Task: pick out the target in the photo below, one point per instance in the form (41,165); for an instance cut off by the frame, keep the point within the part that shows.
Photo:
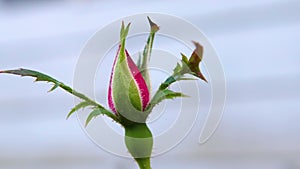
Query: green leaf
(93,114)
(169,94)
(165,94)
(177,69)
(43,77)
(79,106)
(184,59)
(185,78)
(38,75)
(101,111)
(191,65)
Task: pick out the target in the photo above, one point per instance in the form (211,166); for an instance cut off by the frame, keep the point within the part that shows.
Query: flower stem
(144,163)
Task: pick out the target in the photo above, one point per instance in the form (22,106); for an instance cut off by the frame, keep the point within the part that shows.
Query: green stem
(144,163)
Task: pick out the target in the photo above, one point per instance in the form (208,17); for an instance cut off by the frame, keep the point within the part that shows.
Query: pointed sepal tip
(154,26)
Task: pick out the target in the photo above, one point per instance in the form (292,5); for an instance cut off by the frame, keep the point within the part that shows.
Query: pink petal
(142,86)
(111,103)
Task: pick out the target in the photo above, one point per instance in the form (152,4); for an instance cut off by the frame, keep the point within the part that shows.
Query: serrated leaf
(26,72)
(191,65)
(182,68)
(169,94)
(78,107)
(185,78)
(177,69)
(184,59)
(165,94)
(43,77)
(38,75)
(93,114)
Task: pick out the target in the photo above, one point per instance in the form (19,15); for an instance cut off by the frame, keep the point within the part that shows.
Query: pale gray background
(257,42)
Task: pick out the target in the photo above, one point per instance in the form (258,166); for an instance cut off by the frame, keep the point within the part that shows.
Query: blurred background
(258,45)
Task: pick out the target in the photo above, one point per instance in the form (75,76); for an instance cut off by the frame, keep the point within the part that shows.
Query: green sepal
(99,111)
(93,114)
(79,106)
(165,94)
(147,53)
(154,27)
(169,94)
(123,34)
(139,61)
(129,104)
